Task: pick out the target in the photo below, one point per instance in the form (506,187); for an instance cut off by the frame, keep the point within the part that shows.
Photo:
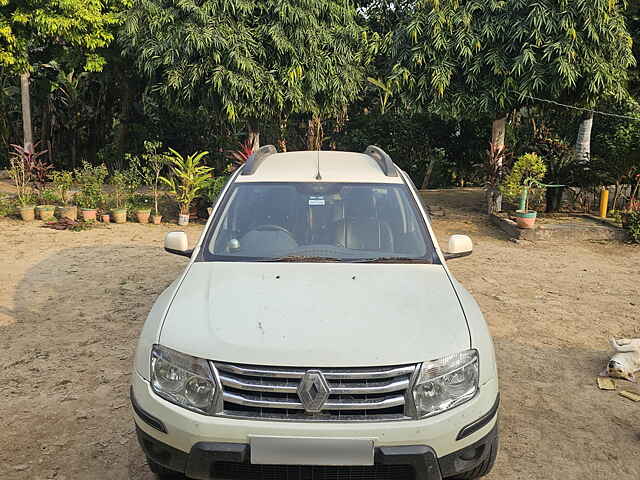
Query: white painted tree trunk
(253,135)
(26,111)
(494,197)
(583,142)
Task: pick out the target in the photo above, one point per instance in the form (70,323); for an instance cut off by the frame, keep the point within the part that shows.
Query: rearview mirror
(177,243)
(459,246)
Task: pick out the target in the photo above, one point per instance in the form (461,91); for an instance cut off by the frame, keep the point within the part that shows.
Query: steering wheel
(272,228)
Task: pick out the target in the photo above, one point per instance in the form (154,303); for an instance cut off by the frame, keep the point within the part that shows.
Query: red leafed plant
(239,157)
(36,166)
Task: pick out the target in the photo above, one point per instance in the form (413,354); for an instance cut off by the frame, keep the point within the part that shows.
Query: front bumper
(433,448)
(184,428)
(208,460)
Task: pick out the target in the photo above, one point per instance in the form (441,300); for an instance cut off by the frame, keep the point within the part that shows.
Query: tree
(74,27)
(464,57)
(253,61)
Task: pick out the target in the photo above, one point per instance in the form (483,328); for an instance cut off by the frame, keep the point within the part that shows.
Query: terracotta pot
(143,215)
(68,212)
(45,212)
(89,214)
(156,219)
(28,213)
(105,218)
(183,219)
(525,219)
(119,215)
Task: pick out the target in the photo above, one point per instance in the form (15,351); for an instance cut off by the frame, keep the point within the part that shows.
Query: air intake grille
(355,394)
(242,471)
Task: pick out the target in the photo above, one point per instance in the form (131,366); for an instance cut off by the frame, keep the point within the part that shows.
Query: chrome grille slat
(284,387)
(262,402)
(355,394)
(329,373)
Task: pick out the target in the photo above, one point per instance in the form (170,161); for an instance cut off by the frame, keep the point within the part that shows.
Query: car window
(323,221)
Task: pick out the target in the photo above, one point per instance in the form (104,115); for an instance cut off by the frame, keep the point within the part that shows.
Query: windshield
(318,222)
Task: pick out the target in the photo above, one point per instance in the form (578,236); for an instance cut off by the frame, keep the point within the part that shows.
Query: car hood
(316,314)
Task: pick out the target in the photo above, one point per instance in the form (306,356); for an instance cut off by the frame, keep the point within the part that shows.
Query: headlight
(446,383)
(184,380)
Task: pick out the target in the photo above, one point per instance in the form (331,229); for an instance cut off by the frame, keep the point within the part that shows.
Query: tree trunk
(428,172)
(554,199)
(26,111)
(583,142)
(315,133)
(122,135)
(494,197)
(253,134)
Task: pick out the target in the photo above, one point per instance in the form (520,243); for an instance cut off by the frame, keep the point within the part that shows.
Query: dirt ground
(72,305)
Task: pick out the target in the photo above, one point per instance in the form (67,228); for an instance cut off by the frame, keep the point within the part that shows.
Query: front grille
(355,394)
(233,471)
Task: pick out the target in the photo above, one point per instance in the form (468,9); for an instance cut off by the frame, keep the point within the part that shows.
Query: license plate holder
(267,450)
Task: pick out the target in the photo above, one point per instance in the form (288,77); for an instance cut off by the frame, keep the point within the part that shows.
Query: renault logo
(313,391)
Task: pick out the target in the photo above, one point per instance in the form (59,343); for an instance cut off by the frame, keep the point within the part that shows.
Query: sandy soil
(72,304)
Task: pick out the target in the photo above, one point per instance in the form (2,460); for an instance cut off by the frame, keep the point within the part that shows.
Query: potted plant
(48,200)
(119,212)
(155,163)
(62,182)
(141,205)
(527,173)
(21,174)
(40,174)
(188,178)
(90,182)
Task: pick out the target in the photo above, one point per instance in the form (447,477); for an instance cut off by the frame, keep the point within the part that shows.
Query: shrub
(213,189)
(527,170)
(633,225)
(139,201)
(7,205)
(49,196)
(90,181)
(62,182)
(188,178)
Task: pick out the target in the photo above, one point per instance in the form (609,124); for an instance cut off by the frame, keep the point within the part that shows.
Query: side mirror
(177,243)
(459,246)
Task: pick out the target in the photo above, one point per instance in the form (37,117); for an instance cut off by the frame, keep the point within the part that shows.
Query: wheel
(485,467)
(161,472)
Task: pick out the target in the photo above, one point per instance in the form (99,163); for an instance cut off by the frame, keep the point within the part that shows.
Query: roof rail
(384,160)
(256,159)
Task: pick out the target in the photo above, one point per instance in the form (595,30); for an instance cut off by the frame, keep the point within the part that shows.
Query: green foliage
(139,201)
(527,171)
(633,225)
(188,177)
(118,181)
(90,182)
(62,182)
(213,188)
(252,60)
(155,163)
(464,57)
(86,25)
(7,205)
(49,196)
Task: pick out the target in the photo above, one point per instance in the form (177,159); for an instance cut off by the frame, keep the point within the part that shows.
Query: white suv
(317,333)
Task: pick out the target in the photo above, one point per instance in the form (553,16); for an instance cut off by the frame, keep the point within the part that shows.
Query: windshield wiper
(300,258)
(392,260)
